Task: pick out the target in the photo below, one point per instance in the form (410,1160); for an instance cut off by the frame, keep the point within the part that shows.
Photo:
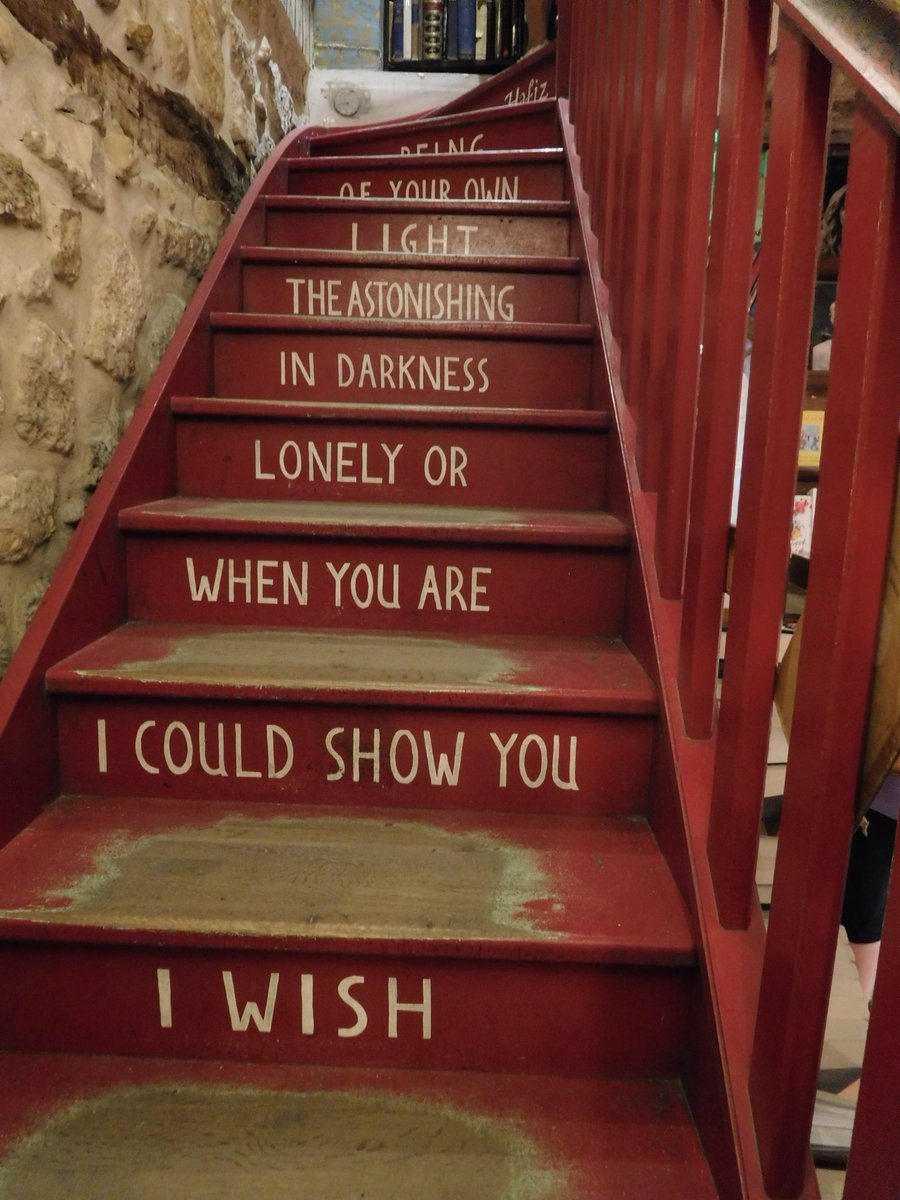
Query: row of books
(456,30)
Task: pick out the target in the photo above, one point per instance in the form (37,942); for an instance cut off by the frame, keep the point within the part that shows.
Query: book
(451,29)
(804,516)
(407,29)
(811,427)
(396,30)
(466,29)
(504,40)
(416,48)
(432,29)
(490,48)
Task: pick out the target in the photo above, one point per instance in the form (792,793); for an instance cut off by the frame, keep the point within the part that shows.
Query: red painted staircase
(342,876)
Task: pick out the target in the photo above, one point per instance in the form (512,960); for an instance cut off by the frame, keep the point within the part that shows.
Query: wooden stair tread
(100,1126)
(527,673)
(352,519)
(479,158)
(450,206)
(523,331)
(426,414)
(549,264)
(400,881)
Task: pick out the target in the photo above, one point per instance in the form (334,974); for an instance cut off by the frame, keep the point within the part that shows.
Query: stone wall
(129,131)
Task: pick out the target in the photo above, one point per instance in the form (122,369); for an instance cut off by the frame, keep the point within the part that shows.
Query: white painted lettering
(443,595)
(439,768)
(533,781)
(164,992)
(139,747)
(219,768)
(240,1021)
(257,460)
(102,759)
(239,771)
(275,734)
(413,751)
(362,1019)
(372,755)
(340,768)
(570,784)
(307,1014)
(423,1006)
(535,775)
(204,589)
(504,748)
(187,760)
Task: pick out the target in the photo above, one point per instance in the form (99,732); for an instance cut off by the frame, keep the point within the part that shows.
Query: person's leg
(865,894)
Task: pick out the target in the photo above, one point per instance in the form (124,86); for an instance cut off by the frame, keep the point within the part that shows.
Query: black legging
(868,876)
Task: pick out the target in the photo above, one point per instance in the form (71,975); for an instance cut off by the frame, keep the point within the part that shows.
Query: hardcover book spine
(466,29)
(407,29)
(417,29)
(396,30)
(451,46)
(490,49)
(506,25)
(432,29)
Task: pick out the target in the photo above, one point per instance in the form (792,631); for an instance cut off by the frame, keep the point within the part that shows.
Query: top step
(490,175)
(521,128)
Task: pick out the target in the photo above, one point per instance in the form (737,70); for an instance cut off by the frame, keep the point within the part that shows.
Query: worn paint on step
(327,876)
(209,1142)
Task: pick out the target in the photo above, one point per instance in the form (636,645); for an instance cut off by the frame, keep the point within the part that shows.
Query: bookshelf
(477,36)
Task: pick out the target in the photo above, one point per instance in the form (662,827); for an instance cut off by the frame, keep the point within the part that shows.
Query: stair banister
(858,475)
(854,509)
(724,338)
(768,481)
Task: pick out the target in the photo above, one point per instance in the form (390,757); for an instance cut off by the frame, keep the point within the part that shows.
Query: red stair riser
(412,179)
(329,582)
(533,129)
(501,467)
(357,290)
(352,753)
(405,369)
(414,231)
(564,1018)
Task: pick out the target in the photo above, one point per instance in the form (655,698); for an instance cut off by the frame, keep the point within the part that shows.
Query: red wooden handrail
(854,509)
(678,279)
(777,389)
(724,338)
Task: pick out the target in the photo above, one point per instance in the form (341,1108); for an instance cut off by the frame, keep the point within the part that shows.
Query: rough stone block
(45,404)
(27,501)
(117,308)
(20,198)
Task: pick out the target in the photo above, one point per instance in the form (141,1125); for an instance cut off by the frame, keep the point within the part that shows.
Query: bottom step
(99,1127)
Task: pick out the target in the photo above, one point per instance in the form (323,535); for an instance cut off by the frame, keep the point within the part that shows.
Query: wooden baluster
(577,17)
(655,383)
(724,332)
(605,194)
(619,272)
(640,248)
(692,223)
(777,387)
(589,143)
(564,64)
(854,507)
